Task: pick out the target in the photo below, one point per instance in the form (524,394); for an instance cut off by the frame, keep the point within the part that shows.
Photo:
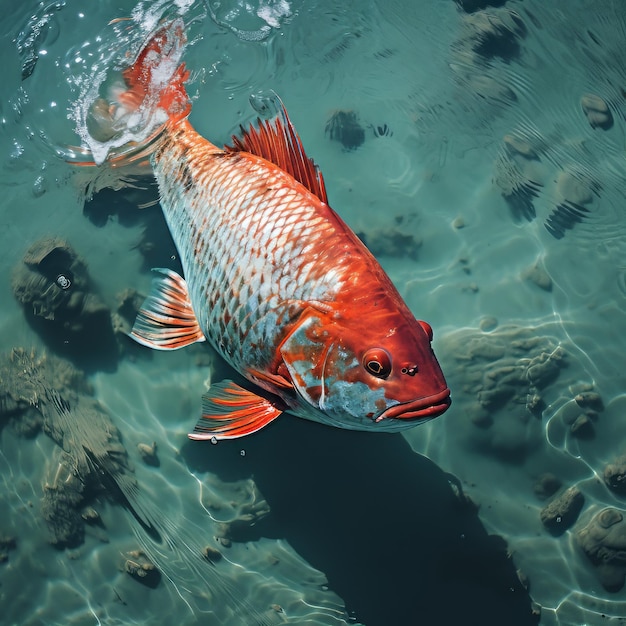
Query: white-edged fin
(166,320)
(230,411)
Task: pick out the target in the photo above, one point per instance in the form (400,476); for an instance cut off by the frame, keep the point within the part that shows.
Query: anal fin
(230,411)
(166,320)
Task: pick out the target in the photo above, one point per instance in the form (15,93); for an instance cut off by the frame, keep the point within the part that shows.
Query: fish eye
(377,362)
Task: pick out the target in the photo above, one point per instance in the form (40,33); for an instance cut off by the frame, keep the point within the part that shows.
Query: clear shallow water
(443,198)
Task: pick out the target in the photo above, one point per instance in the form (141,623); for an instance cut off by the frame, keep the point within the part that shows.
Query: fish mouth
(422,408)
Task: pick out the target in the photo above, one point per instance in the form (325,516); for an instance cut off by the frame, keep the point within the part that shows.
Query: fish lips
(420,409)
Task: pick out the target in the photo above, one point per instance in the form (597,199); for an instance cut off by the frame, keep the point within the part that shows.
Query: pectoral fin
(230,411)
(166,320)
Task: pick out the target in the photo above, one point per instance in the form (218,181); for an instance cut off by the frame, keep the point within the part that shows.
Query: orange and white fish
(274,279)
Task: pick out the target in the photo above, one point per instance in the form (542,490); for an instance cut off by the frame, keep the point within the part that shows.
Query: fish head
(355,376)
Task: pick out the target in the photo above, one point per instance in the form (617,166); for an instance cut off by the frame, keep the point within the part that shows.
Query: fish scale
(228,203)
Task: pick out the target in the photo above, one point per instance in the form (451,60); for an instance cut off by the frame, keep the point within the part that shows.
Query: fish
(274,279)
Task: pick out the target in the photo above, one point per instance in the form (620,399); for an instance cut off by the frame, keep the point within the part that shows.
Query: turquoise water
(490,185)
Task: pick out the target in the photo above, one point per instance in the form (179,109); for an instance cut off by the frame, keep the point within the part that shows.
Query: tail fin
(120,126)
(156,75)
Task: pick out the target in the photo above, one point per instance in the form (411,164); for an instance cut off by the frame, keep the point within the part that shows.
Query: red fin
(166,320)
(147,75)
(277,141)
(230,411)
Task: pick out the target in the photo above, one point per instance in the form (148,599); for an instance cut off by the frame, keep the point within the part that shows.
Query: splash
(41,27)
(248,21)
(107,128)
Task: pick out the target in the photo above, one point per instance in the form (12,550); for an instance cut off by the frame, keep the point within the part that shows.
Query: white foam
(238,15)
(97,111)
(272,12)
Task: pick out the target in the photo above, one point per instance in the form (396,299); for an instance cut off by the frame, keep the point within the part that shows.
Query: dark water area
(393,532)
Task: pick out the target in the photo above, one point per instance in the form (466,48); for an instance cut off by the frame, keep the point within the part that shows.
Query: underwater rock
(238,529)
(615,475)
(129,302)
(458,222)
(544,368)
(576,192)
(148,453)
(579,418)
(597,111)
(392,242)
(537,274)
(90,515)
(603,540)
(561,512)
(139,567)
(94,463)
(488,34)
(91,450)
(24,378)
(484,36)
(581,414)
(546,485)
(582,427)
(488,323)
(519,146)
(575,188)
(344,127)
(211,554)
(63,496)
(519,174)
(504,373)
(485,86)
(239,507)
(53,285)
(589,399)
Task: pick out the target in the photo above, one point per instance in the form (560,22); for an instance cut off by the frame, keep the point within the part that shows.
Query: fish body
(274,279)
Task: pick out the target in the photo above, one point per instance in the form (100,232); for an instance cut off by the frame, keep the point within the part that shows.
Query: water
(495,204)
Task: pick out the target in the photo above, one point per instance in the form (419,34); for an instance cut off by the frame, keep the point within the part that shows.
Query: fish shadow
(386,525)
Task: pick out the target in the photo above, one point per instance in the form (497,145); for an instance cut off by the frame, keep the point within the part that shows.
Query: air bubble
(39,187)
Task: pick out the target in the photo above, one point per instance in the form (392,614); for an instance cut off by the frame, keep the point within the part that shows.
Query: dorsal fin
(277,141)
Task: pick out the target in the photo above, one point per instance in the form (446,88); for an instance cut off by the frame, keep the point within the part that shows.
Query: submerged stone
(561,512)
(90,454)
(344,127)
(615,475)
(546,485)
(603,540)
(506,374)
(537,274)
(53,285)
(582,427)
(597,111)
(142,569)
